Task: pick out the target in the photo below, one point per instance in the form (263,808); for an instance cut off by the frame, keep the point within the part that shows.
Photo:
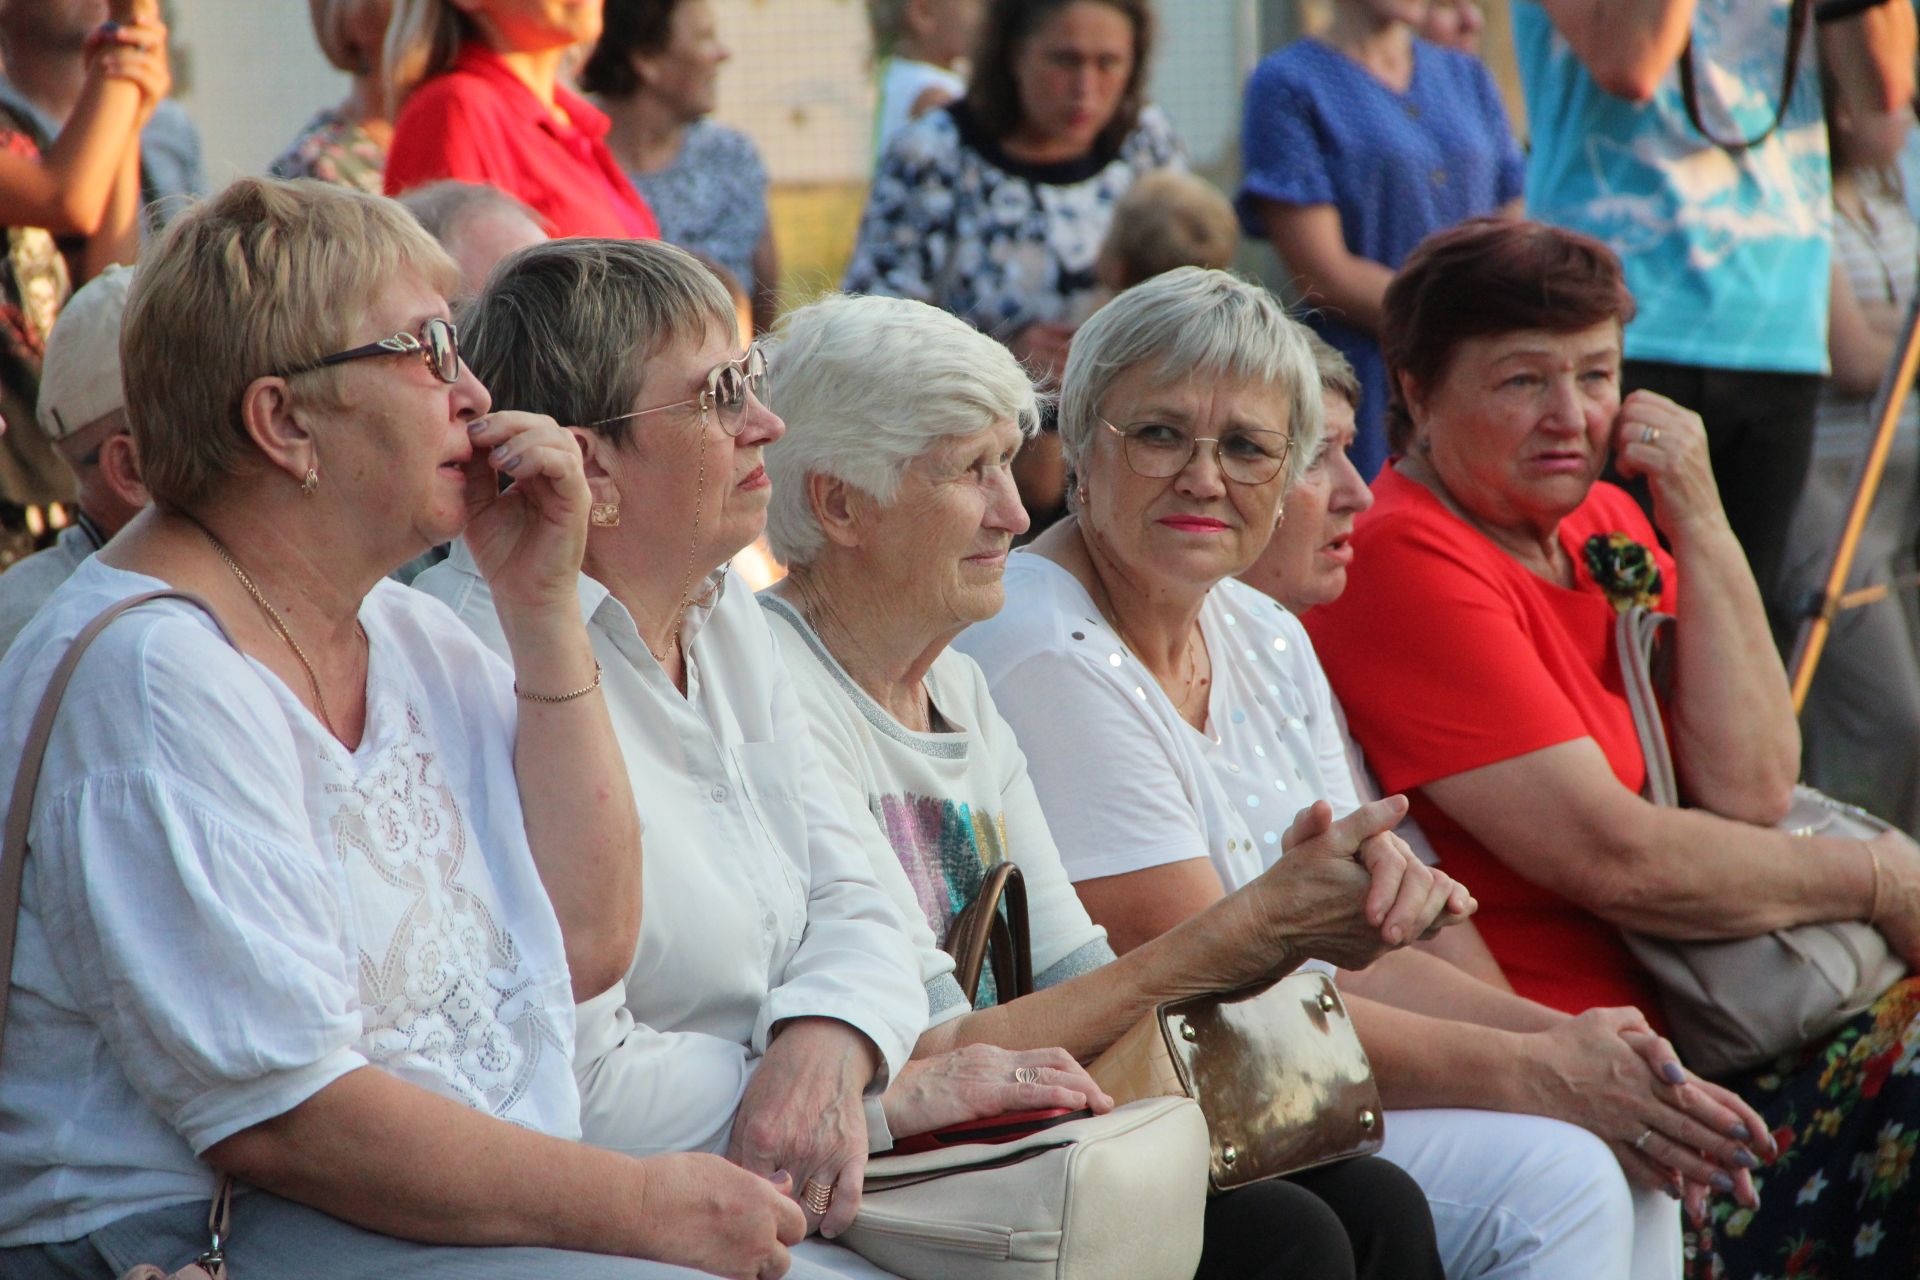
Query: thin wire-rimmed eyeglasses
(728,386)
(438,343)
(1158,451)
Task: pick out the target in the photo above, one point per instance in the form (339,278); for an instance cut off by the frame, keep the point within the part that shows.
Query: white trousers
(1527,1198)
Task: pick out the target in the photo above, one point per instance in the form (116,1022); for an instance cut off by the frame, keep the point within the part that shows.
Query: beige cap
(80,377)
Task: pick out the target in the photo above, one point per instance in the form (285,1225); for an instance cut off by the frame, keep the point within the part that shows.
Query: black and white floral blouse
(954,221)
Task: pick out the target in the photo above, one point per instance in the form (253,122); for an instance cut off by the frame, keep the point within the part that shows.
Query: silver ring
(1026,1075)
(818,1195)
(1649,434)
(1640,1143)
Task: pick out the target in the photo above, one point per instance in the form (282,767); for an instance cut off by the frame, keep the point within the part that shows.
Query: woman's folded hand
(705,1213)
(529,539)
(981,1081)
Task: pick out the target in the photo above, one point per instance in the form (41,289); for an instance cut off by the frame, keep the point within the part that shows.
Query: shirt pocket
(770,777)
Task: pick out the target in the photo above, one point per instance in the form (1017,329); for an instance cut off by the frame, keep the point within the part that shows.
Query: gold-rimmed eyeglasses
(725,395)
(1160,451)
(438,343)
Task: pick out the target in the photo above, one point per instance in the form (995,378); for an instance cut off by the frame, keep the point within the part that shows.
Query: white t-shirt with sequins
(1125,782)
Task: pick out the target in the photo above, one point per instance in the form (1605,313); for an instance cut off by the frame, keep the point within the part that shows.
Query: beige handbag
(1277,1069)
(1733,1005)
(210,1265)
(1092,1199)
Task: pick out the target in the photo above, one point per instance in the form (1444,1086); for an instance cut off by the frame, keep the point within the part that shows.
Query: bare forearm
(1465,949)
(1420,1061)
(1737,744)
(80,170)
(1627,46)
(393,1158)
(577,799)
(1419,983)
(1871,56)
(118,239)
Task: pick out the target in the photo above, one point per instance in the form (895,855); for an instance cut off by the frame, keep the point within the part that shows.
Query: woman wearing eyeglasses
(774,994)
(312,908)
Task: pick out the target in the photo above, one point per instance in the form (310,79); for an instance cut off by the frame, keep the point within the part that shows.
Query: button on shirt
(759,903)
(480,123)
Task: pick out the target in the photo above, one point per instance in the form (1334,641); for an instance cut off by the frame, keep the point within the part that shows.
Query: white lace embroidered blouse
(225,910)
(759,904)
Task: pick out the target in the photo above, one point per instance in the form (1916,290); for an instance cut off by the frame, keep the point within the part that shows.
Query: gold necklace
(279,626)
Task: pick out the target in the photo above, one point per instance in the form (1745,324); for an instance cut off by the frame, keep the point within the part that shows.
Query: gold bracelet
(518,692)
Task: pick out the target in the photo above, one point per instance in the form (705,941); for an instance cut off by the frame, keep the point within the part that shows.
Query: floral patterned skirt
(1841,1200)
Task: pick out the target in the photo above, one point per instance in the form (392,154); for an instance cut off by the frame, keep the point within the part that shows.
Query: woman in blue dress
(1356,144)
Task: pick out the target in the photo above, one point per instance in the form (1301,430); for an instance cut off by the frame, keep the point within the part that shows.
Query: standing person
(654,71)
(46,73)
(1861,723)
(995,207)
(1725,248)
(69,206)
(83,412)
(919,49)
(1356,144)
(347,142)
(477,90)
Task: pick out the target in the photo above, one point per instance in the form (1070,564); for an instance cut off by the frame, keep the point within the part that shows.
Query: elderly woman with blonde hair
(347,142)
(893,507)
(315,879)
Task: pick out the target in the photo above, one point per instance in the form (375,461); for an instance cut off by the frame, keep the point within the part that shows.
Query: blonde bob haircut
(265,275)
(865,386)
(1191,325)
(423,38)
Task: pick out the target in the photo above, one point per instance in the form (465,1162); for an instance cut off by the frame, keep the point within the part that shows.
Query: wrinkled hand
(1042,348)
(802,1115)
(1345,892)
(977,1082)
(1675,462)
(1608,1072)
(1898,914)
(529,540)
(705,1213)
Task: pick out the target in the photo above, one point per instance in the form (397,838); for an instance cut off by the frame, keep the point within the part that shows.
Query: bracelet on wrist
(518,692)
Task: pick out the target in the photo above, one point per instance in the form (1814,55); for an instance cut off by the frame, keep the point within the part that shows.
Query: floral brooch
(1624,569)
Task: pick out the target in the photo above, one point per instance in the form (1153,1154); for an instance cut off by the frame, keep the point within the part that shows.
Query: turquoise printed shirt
(1727,254)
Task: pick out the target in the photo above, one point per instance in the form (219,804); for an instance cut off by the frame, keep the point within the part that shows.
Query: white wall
(254,76)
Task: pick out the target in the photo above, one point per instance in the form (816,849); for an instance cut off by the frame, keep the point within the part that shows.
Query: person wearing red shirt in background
(479,98)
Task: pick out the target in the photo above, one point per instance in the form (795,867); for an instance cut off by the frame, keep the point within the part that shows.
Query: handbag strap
(1636,634)
(981,933)
(13,853)
(1799,19)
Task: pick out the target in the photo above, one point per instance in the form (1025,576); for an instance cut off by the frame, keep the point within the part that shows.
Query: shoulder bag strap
(1636,632)
(1798,22)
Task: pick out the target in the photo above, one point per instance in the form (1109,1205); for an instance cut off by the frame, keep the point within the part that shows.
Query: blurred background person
(1860,727)
(476,224)
(1170,218)
(920,48)
(46,74)
(654,72)
(1453,24)
(70,205)
(83,413)
(478,93)
(346,142)
(1356,144)
(1726,248)
(994,207)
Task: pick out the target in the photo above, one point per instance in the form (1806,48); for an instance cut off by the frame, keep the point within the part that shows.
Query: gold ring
(1640,1143)
(1026,1075)
(818,1196)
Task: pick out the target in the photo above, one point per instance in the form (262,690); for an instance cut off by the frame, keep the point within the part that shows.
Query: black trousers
(1361,1219)
(1760,438)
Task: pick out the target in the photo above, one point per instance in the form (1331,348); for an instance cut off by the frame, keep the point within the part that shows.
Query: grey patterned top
(712,200)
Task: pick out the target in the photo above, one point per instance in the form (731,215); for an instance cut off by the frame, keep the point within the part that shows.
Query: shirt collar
(476,58)
(598,607)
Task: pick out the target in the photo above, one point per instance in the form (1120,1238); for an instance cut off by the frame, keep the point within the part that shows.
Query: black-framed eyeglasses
(437,343)
(725,395)
(1160,451)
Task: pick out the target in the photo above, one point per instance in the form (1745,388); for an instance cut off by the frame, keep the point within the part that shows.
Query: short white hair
(1192,323)
(866,385)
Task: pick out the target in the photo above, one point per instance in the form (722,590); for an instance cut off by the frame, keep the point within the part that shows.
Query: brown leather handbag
(212,1264)
(1277,1069)
(993,929)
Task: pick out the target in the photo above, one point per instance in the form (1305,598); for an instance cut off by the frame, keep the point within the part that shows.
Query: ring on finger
(818,1195)
(1649,434)
(1640,1143)
(1026,1075)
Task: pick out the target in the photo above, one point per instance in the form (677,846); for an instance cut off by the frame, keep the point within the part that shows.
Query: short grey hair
(445,207)
(565,328)
(866,385)
(1335,370)
(1192,323)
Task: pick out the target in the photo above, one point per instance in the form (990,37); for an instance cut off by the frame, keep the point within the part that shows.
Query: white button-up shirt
(759,904)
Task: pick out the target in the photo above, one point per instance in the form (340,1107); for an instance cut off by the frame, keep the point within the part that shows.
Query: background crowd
(545,870)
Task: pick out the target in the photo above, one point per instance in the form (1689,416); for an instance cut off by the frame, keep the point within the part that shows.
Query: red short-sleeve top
(479,123)
(1449,655)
